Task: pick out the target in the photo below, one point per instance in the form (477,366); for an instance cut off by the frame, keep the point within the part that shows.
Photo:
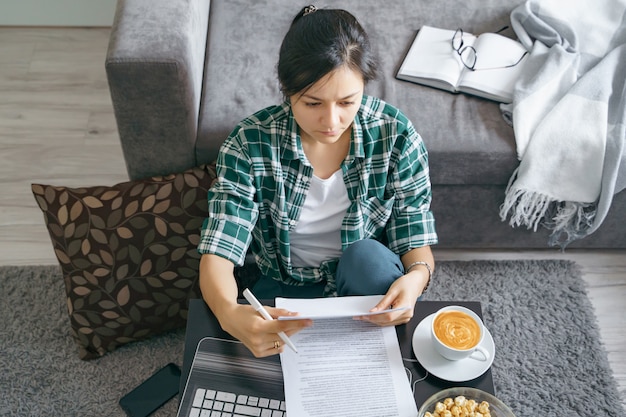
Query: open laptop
(226,379)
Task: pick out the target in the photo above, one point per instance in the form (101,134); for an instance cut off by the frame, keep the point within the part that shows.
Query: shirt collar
(356,145)
(291,145)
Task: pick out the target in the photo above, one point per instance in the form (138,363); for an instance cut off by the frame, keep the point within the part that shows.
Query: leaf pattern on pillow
(128,254)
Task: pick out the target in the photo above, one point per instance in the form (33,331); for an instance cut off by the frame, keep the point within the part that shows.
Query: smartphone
(151,394)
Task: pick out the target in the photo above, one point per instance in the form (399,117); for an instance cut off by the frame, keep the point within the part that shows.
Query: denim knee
(367,267)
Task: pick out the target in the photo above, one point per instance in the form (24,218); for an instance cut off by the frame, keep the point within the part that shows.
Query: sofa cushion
(128,254)
(467,138)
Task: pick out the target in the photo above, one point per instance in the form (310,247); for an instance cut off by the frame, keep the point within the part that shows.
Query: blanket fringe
(569,221)
(526,208)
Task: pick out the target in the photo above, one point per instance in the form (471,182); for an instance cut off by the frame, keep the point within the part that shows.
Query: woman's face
(326,110)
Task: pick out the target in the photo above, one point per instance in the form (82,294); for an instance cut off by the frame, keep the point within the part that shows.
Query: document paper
(345,368)
(326,308)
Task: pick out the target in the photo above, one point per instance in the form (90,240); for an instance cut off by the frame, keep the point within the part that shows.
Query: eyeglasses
(469,55)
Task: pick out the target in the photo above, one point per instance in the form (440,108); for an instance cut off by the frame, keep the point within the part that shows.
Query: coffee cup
(457,333)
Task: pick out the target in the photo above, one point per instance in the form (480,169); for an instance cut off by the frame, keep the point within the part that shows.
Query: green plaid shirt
(264,175)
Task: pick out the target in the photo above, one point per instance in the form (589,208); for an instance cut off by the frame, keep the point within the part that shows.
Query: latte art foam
(457,330)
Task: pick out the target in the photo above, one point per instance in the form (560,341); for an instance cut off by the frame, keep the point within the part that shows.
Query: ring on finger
(276,344)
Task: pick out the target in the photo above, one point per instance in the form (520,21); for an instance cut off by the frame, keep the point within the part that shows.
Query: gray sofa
(182,73)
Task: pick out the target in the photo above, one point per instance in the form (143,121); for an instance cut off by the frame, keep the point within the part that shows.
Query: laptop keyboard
(211,403)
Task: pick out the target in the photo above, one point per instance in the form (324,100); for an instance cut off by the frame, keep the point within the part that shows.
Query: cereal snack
(460,407)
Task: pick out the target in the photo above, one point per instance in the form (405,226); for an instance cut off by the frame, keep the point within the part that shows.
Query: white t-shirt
(316,237)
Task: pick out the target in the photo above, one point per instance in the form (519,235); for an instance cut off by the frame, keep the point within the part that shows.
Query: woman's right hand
(242,321)
(259,335)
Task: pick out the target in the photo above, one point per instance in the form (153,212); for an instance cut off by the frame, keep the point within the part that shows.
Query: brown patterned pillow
(128,254)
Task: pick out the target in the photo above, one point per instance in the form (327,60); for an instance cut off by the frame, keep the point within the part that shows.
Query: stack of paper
(344,367)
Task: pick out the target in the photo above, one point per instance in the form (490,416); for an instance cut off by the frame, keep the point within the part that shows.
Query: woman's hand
(260,336)
(404,292)
(219,290)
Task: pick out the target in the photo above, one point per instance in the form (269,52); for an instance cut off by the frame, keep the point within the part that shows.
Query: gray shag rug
(549,358)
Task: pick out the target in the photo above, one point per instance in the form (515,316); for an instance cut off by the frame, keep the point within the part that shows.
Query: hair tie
(309,9)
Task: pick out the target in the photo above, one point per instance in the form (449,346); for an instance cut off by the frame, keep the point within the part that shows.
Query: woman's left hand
(404,292)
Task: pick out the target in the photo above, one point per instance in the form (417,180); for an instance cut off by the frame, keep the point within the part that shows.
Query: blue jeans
(367,267)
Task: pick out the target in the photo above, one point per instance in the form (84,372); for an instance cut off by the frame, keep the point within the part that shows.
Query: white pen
(258,307)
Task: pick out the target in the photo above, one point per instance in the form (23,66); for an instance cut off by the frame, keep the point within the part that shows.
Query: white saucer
(454,371)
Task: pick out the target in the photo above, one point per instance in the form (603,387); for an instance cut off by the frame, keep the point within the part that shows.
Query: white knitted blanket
(569,116)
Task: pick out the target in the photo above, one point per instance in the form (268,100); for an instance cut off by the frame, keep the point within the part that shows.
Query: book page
(493,52)
(431,57)
(346,368)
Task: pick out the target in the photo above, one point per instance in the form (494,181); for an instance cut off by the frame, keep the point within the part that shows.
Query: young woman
(330,190)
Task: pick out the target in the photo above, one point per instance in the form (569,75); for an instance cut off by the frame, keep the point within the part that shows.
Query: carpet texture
(549,358)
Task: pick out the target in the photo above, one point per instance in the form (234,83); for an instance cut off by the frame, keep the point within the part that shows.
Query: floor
(57,127)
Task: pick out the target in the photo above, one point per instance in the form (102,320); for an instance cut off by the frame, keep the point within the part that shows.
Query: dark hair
(320,41)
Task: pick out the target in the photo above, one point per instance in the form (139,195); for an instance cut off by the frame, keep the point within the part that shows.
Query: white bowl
(496,407)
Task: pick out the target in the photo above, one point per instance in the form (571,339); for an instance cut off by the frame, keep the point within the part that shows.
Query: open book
(432,61)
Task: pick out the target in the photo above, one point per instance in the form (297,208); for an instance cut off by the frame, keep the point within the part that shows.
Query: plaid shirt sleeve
(227,231)
(411,224)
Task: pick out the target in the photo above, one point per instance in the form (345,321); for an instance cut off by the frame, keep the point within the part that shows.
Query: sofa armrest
(154,66)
